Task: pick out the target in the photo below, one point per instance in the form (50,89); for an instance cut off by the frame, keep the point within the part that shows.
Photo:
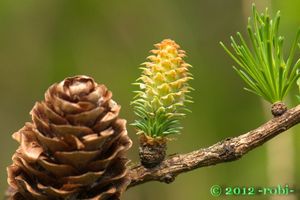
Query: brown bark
(227,150)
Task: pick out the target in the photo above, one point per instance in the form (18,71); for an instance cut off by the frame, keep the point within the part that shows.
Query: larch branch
(227,150)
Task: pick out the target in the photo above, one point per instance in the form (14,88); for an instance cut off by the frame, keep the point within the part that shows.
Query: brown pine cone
(74,148)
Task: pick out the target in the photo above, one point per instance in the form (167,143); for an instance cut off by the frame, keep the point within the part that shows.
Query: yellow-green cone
(160,103)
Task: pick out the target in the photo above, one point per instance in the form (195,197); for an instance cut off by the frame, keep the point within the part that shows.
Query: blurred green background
(42,42)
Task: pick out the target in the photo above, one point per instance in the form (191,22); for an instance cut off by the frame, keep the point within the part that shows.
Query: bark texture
(227,150)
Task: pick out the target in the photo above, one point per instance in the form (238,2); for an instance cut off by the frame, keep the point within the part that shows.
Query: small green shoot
(261,63)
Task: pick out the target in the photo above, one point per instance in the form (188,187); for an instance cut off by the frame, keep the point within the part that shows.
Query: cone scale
(74,148)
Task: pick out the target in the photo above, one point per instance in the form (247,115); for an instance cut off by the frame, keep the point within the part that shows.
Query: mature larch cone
(74,148)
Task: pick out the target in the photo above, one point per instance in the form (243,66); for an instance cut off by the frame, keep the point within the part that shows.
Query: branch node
(228,153)
(278,109)
(168,178)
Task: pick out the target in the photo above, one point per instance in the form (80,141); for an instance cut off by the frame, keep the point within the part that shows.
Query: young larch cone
(74,148)
(160,102)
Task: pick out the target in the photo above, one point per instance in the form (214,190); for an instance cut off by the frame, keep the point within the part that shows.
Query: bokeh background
(41,42)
